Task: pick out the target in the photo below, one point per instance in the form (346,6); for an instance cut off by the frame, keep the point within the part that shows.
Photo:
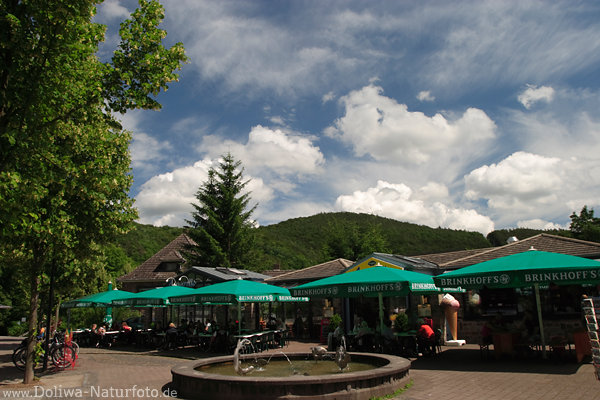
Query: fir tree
(221,225)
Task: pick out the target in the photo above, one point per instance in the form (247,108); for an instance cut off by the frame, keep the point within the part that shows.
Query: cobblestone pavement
(456,373)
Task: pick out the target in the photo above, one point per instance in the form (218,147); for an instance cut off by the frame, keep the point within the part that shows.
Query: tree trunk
(33,317)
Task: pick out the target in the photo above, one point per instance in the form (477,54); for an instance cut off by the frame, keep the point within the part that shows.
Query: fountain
(317,375)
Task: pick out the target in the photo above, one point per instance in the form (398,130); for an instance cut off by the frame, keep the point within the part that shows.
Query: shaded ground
(457,373)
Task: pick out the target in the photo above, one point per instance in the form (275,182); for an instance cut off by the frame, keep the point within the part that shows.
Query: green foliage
(334,322)
(143,241)
(499,237)
(585,226)
(351,241)
(401,322)
(16,329)
(64,159)
(300,242)
(221,224)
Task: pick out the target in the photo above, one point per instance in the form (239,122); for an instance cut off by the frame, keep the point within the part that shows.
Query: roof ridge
(340,259)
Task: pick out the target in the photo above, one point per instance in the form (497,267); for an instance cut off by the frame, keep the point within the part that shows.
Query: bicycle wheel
(63,356)
(19,357)
(75,347)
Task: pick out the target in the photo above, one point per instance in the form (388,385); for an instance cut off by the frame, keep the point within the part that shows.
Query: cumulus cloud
(378,126)
(534,94)
(166,199)
(397,201)
(270,150)
(425,95)
(537,223)
(521,183)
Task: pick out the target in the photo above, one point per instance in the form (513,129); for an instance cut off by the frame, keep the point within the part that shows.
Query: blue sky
(475,115)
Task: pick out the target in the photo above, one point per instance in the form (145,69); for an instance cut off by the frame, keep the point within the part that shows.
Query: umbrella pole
(380,296)
(239,309)
(536,288)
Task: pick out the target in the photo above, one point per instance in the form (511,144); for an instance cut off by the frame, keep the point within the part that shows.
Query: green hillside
(300,242)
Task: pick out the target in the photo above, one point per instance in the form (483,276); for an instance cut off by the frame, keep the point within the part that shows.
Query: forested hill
(302,242)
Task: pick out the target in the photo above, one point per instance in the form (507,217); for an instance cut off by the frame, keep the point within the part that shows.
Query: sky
(471,115)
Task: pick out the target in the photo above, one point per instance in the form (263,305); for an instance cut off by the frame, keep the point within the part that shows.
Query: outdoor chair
(484,348)
(438,341)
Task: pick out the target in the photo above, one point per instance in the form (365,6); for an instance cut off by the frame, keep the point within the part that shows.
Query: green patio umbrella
(102,299)
(377,281)
(527,269)
(158,297)
(235,291)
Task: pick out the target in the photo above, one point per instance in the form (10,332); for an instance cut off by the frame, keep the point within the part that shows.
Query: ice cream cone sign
(451,306)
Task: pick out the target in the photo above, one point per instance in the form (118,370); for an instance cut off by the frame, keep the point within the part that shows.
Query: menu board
(591,310)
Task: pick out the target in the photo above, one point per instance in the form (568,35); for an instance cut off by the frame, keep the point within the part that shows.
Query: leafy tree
(221,224)
(353,242)
(585,226)
(64,158)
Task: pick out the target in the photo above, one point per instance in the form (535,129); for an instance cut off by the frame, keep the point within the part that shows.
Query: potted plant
(334,322)
(401,322)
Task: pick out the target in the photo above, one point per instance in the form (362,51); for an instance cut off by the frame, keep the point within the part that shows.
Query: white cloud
(482,44)
(277,120)
(425,95)
(523,179)
(147,150)
(534,94)
(398,202)
(378,126)
(327,97)
(523,185)
(270,151)
(112,9)
(166,199)
(537,223)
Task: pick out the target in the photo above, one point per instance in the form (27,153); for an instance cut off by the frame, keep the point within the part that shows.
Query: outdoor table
(407,341)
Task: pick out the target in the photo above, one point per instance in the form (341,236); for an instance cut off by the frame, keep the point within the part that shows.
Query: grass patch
(394,393)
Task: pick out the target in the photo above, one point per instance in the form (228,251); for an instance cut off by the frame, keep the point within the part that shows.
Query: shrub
(401,322)
(334,322)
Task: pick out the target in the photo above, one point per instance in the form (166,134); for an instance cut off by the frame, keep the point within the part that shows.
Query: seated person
(425,338)
(126,332)
(272,323)
(171,336)
(104,339)
(364,337)
(208,327)
(486,334)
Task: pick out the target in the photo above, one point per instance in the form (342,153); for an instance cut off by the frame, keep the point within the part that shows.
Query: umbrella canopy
(377,281)
(524,270)
(528,269)
(152,298)
(238,290)
(102,299)
(370,282)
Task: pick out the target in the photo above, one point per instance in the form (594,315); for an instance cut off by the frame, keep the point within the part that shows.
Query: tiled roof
(147,271)
(309,274)
(214,275)
(543,242)
(443,258)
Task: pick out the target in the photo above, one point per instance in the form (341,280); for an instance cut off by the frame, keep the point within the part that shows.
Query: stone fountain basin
(389,374)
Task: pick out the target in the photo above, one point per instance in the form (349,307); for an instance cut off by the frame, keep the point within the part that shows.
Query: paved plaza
(456,373)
